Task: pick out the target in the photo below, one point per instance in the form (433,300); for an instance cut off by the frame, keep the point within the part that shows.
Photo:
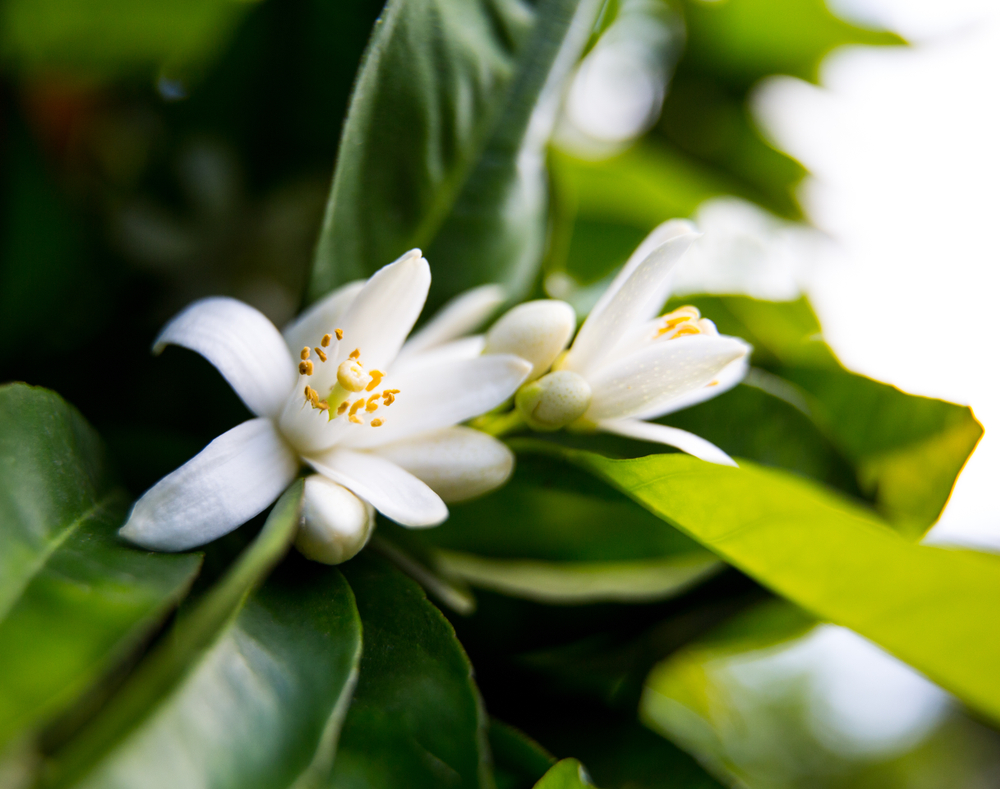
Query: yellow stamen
(322,405)
(376,423)
(305,368)
(377,376)
(355,354)
(372,403)
(325,342)
(343,407)
(304,354)
(339,333)
(679,316)
(355,419)
(320,354)
(358,404)
(687,328)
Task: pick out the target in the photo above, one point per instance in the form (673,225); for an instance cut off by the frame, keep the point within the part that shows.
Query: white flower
(385,431)
(627,366)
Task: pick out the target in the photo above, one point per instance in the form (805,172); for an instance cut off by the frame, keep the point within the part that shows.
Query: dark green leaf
(906,451)
(74,599)
(439,149)
(416,719)
(567,774)
(248,690)
(551,535)
(834,559)
(518,761)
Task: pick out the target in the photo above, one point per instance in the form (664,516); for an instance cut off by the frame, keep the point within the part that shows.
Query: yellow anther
(339,333)
(304,354)
(325,342)
(355,419)
(320,354)
(377,376)
(358,404)
(312,395)
(305,368)
(343,407)
(376,423)
(679,316)
(389,396)
(355,354)
(687,328)
(322,405)
(351,376)
(372,403)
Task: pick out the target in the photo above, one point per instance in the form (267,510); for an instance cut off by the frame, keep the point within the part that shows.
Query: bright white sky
(903,147)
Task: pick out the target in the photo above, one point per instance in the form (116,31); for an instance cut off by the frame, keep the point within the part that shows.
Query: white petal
(671,436)
(433,396)
(537,331)
(456,350)
(395,493)
(457,463)
(643,381)
(223,486)
(463,314)
(731,375)
(242,344)
(336,524)
(633,301)
(321,318)
(385,310)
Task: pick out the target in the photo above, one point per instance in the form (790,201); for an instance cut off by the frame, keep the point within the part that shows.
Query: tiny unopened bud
(351,376)
(554,400)
(336,524)
(537,331)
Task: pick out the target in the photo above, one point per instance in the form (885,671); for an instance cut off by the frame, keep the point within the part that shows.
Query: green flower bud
(554,400)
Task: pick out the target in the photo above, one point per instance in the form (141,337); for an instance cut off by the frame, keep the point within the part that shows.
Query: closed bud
(554,400)
(336,524)
(537,331)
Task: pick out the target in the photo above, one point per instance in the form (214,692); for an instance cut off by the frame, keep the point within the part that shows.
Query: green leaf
(248,690)
(444,139)
(111,38)
(518,761)
(416,719)
(567,774)
(834,559)
(551,535)
(74,599)
(907,451)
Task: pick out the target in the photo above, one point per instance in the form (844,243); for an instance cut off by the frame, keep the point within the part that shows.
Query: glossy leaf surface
(416,719)
(567,774)
(444,140)
(74,599)
(834,559)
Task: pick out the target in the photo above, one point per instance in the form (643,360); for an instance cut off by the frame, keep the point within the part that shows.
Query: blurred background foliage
(158,152)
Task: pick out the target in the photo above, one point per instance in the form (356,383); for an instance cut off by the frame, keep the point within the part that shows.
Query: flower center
(352,378)
(684,321)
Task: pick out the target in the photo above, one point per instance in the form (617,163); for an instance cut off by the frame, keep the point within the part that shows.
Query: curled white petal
(730,376)
(322,317)
(671,436)
(457,463)
(242,344)
(395,493)
(456,350)
(537,331)
(463,314)
(227,483)
(336,524)
(386,308)
(625,305)
(658,373)
(432,396)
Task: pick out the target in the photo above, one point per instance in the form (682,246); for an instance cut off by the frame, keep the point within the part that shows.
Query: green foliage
(439,148)
(567,774)
(249,689)
(518,761)
(416,719)
(833,558)
(74,600)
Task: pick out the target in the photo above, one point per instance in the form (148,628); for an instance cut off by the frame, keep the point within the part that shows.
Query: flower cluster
(377,416)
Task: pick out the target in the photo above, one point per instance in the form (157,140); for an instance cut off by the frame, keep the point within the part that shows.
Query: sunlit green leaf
(834,559)
(440,150)
(74,599)
(416,719)
(907,451)
(567,774)
(248,690)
